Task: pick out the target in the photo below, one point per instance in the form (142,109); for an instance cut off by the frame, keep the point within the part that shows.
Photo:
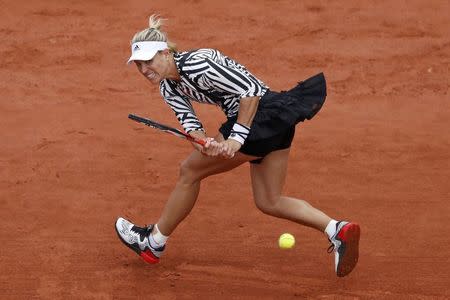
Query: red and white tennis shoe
(345,243)
(136,238)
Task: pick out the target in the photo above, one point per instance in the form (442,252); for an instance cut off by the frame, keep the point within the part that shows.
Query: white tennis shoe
(345,244)
(136,238)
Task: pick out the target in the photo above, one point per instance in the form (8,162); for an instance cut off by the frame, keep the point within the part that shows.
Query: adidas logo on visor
(136,48)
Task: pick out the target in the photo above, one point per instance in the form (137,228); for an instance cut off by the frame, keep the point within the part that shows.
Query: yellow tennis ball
(286,241)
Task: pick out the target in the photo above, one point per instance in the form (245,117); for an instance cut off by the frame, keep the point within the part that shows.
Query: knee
(188,173)
(268,206)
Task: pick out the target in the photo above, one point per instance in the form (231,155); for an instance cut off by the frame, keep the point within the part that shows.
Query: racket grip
(198,141)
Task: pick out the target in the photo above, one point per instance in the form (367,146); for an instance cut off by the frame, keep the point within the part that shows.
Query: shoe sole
(349,249)
(149,258)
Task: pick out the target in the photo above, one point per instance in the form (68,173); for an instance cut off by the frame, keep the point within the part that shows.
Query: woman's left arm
(247,111)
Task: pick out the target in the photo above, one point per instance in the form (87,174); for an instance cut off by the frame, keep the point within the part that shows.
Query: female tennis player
(259,129)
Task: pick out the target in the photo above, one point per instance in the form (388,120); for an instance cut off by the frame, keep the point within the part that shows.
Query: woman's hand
(229,148)
(200,135)
(224,148)
(212,147)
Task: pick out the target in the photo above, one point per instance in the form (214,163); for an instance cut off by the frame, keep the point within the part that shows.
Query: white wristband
(239,133)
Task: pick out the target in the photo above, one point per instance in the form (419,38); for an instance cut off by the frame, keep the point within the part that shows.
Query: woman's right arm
(185,114)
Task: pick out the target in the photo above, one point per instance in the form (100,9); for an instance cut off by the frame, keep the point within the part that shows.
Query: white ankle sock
(330,230)
(157,239)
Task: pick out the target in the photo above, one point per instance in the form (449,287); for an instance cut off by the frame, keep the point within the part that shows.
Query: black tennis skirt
(278,113)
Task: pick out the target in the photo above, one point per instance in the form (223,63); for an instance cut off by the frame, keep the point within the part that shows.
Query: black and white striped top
(213,78)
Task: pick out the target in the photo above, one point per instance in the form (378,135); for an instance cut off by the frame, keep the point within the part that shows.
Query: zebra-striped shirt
(213,78)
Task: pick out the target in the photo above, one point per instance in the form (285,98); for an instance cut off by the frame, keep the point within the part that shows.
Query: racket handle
(198,141)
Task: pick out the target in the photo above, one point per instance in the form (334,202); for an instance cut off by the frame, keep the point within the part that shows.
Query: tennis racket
(166,128)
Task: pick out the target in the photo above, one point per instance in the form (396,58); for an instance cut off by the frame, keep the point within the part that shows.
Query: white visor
(145,50)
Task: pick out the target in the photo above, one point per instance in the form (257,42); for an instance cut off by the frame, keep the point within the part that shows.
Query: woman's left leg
(268,180)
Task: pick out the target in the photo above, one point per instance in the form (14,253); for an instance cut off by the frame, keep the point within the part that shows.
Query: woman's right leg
(149,242)
(183,197)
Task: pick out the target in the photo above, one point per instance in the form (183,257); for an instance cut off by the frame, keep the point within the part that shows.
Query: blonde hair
(153,33)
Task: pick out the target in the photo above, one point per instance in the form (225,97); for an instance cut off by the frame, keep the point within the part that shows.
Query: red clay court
(71,161)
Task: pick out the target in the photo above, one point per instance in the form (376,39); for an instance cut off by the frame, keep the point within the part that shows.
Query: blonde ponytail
(155,22)
(153,33)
